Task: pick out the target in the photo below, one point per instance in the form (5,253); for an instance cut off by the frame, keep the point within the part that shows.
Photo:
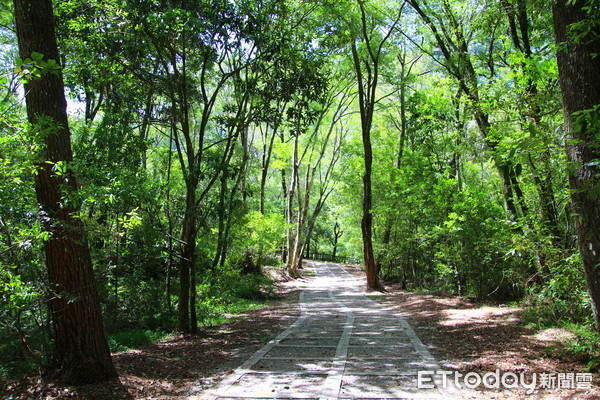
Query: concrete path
(343,346)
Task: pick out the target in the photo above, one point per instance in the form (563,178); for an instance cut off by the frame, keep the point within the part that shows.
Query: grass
(127,340)
(583,347)
(231,294)
(216,311)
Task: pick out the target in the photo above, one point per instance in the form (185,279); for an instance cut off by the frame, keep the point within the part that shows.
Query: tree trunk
(291,238)
(371,271)
(266,162)
(337,234)
(543,182)
(187,266)
(579,68)
(81,351)
(188,257)
(367,78)
(221,210)
(301,221)
(366,225)
(170,227)
(284,192)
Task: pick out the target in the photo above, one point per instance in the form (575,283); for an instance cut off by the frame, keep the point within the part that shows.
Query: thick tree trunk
(371,271)
(579,68)
(81,351)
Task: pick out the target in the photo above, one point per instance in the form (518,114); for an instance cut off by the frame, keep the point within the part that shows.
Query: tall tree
(367,63)
(576,27)
(400,123)
(81,351)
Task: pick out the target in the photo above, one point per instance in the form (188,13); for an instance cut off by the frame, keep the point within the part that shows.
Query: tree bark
(579,68)
(81,353)
(222,210)
(267,152)
(337,234)
(291,238)
(188,257)
(367,221)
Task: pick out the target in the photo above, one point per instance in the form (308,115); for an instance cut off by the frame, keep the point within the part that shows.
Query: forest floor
(462,335)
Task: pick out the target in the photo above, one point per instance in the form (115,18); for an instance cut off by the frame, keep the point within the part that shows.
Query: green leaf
(37,56)
(532,129)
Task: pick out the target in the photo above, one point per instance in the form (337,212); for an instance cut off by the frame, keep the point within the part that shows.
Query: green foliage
(585,346)
(35,67)
(14,363)
(23,316)
(228,292)
(473,247)
(265,231)
(562,299)
(123,341)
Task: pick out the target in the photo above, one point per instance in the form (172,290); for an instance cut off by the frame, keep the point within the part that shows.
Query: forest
(155,155)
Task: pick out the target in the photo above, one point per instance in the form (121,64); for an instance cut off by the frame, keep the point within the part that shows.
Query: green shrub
(253,287)
(585,346)
(228,291)
(561,299)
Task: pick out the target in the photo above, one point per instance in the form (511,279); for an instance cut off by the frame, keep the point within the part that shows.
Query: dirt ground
(462,335)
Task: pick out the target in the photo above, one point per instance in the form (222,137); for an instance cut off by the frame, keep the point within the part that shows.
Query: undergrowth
(585,346)
(570,310)
(221,296)
(229,293)
(123,341)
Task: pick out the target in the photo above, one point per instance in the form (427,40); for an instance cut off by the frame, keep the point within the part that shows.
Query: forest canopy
(441,143)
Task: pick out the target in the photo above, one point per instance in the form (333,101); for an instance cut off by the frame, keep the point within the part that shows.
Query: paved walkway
(343,346)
